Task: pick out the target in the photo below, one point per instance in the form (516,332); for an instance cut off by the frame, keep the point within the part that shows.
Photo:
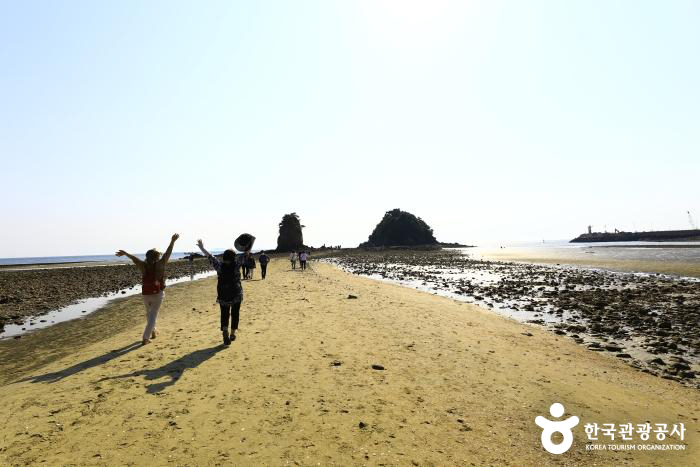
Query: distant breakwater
(652,236)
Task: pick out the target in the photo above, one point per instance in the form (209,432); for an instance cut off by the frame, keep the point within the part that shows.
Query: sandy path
(460,386)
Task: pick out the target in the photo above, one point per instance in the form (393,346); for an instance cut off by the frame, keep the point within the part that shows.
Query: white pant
(152,304)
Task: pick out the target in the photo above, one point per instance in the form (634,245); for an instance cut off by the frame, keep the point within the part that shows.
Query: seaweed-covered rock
(400,228)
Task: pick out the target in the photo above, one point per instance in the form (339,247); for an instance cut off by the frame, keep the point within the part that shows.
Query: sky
(124,122)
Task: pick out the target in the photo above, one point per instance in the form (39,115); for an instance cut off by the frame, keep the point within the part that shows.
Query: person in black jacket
(243,264)
(251,265)
(229,293)
(264,259)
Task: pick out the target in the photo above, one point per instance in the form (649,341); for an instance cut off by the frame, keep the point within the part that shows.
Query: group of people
(301,256)
(229,292)
(248,265)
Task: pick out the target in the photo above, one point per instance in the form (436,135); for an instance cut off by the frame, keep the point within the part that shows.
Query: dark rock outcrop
(400,228)
(290,237)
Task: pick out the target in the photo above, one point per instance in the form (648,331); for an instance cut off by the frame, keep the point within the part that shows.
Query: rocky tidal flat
(650,321)
(34,292)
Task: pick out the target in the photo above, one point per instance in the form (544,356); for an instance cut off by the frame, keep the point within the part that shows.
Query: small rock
(377,367)
(681,366)
(336,363)
(362,425)
(352,296)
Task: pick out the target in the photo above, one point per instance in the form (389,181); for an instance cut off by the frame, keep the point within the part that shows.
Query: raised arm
(169,251)
(212,259)
(200,244)
(133,258)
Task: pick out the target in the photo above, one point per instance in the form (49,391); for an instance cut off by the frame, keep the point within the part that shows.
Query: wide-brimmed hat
(244,242)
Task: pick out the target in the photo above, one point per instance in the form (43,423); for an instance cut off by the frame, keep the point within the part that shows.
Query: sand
(460,385)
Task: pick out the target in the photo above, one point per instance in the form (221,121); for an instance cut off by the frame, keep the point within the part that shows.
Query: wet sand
(459,384)
(544,256)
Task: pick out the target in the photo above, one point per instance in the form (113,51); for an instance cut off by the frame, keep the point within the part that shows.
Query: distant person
(251,265)
(293,259)
(303,256)
(152,284)
(229,293)
(263,259)
(244,264)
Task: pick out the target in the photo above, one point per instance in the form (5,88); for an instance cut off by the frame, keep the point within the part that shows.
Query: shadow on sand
(172,370)
(93,362)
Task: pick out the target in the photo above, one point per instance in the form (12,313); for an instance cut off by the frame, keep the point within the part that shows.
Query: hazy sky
(121,123)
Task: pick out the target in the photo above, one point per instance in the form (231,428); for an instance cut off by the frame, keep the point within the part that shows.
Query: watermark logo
(549,427)
(623,432)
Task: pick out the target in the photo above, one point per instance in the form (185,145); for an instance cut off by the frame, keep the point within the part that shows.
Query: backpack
(151,283)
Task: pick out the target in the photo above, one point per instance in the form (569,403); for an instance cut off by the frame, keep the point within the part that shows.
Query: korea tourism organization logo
(606,434)
(550,427)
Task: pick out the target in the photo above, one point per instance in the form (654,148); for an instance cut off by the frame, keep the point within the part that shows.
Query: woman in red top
(152,284)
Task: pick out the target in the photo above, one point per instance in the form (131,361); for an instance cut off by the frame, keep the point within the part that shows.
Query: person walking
(251,265)
(229,292)
(303,256)
(263,259)
(293,259)
(152,284)
(244,265)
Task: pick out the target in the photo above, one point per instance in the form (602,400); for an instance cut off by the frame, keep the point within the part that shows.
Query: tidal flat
(650,321)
